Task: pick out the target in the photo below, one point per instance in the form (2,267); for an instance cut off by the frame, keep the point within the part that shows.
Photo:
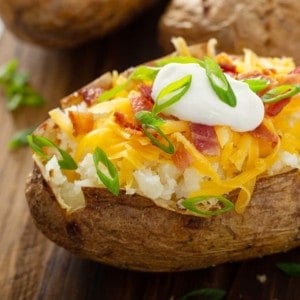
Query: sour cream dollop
(200,104)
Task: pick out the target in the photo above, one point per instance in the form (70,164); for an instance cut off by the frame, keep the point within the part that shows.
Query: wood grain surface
(31,267)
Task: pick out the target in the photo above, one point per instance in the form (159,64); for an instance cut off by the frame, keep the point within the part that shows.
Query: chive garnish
(168,147)
(150,126)
(178,59)
(219,82)
(37,143)
(172,93)
(142,73)
(280,92)
(200,205)
(256,84)
(111,181)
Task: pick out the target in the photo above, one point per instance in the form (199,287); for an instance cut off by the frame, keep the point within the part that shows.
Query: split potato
(67,23)
(267,27)
(134,232)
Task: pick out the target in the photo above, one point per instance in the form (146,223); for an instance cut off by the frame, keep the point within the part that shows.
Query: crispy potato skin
(132,232)
(261,25)
(56,23)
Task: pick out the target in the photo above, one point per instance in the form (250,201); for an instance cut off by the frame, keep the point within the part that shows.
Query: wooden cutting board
(31,267)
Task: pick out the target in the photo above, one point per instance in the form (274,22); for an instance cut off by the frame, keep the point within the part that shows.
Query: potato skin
(132,232)
(261,25)
(56,23)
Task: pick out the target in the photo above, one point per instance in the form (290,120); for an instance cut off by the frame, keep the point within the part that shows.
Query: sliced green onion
(172,93)
(168,147)
(219,82)
(289,268)
(151,122)
(37,142)
(178,59)
(256,84)
(20,139)
(192,203)
(280,92)
(109,94)
(112,182)
(144,73)
(208,293)
(147,117)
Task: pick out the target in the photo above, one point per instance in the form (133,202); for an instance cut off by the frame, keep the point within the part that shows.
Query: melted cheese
(239,164)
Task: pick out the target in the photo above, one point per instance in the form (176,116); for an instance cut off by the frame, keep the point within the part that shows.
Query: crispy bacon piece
(296,70)
(131,127)
(205,139)
(181,158)
(83,122)
(275,108)
(90,95)
(263,133)
(143,101)
(228,68)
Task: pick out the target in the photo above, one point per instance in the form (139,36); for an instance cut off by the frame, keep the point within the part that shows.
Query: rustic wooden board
(31,267)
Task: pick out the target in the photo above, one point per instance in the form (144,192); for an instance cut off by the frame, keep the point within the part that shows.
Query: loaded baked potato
(67,23)
(185,162)
(267,27)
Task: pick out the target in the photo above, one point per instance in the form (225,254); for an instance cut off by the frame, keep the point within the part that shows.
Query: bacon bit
(296,70)
(275,108)
(205,139)
(142,101)
(129,126)
(181,158)
(83,122)
(263,133)
(228,68)
(90,95)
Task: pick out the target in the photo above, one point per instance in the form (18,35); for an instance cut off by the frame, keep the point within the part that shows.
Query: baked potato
(121,180)
(67,23)
(267,27)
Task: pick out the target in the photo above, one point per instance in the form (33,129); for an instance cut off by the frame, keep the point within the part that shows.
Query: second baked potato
(267,27)
(56,23)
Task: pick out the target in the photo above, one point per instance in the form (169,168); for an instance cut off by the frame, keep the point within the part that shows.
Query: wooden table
(31,267)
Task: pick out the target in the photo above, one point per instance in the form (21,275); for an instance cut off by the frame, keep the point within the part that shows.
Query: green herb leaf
(37,143)
(256,84)
(207,206)
(150,123)
(109,94)
(280,92)
(112,182)
(168,147)
(144,73)
(20,139)
(208,293)
(178,59)
(219,82)
(16,87)
(148,118)
(289,268)
(172,93)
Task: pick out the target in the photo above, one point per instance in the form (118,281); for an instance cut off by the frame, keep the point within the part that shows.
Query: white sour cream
(200,104)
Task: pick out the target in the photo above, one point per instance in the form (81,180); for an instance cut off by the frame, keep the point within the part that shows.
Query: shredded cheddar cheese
(244,156)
